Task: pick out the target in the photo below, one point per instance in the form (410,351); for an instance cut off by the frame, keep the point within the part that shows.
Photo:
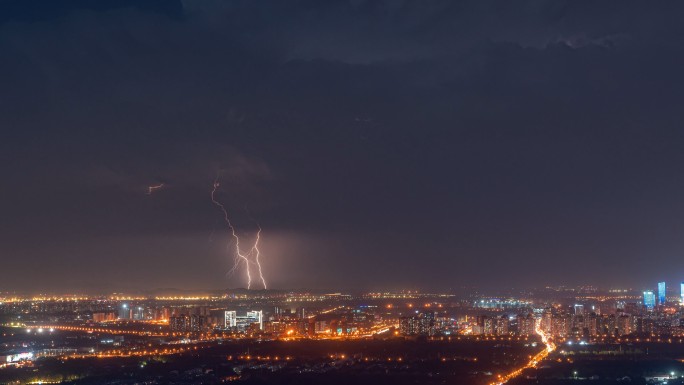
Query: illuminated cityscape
(335,192)
(250,331)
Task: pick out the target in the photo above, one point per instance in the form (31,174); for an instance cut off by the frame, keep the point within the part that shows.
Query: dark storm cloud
(379,143)
(36,11)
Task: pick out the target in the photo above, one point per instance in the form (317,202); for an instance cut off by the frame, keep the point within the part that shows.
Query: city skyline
(661,292)
(281,334)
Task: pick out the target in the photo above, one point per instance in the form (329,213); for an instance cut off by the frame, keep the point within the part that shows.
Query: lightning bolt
(238,254)
(154,188)
(255,251)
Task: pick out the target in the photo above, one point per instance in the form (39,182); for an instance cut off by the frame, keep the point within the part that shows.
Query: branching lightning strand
(238,254)
(151,189)
(256,252)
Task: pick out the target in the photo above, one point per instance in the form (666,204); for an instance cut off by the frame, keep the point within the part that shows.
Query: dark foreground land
(295,362)
(610,364)
(360,362)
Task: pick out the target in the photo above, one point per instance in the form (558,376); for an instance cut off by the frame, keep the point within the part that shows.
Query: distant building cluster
(504,325)
(562,312)
(282,321)
(653,315)
(650,297)
(422,323)
(140,312)
(189,323)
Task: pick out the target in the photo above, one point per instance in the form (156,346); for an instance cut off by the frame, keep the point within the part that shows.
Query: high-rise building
(423,324)
(139,313)
(591,324)
(501,325)
(662,297)
(180,323)
(189,323)
(561,325)
(547,320)
(526,325)
(682,292)
(254,317)
(198,322)
(321,326)
(243,322)
(488,326)
(579,309)
(578,323)
(230,319)
(103,316)
(624,324)
(409,325)
(124,312)
(649,299)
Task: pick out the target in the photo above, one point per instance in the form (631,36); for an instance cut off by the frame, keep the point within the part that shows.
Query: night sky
(427,144)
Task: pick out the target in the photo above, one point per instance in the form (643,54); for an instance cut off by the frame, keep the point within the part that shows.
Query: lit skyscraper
(230,319)
(649,299)
(661,293)
(682,292)
(254,317)
(243,322)
(124,312)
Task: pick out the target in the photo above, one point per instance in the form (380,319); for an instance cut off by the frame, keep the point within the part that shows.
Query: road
(534,361)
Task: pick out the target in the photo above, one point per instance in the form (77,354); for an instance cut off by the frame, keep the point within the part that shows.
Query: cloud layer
(379,143)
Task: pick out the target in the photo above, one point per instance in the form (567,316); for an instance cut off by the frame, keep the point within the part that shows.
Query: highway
(534,360)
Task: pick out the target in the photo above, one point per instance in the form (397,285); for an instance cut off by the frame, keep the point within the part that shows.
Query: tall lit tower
(662,297)
(649,299)
(124,312)
(682,293)
(230,319)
